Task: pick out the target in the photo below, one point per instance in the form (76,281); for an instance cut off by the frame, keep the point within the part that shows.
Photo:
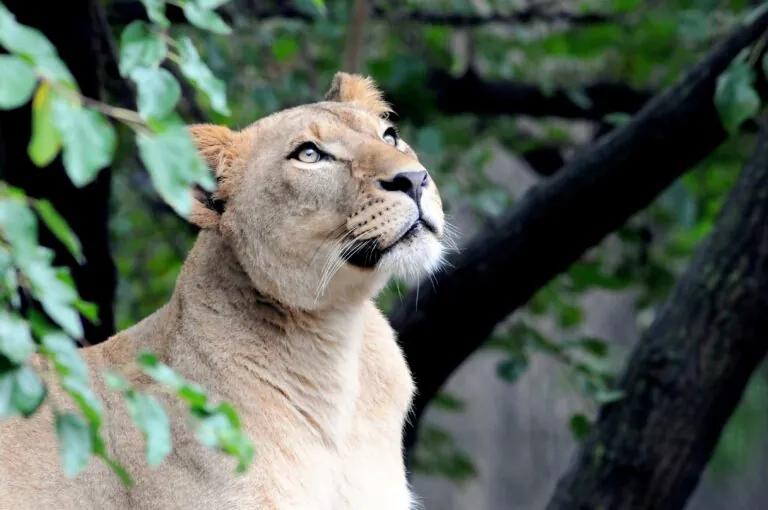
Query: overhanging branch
(472,94)
(555,223)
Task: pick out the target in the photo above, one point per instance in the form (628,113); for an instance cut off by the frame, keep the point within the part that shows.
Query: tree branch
(123,12)
(471,94)
(528,15)
(688,372)
(555,223)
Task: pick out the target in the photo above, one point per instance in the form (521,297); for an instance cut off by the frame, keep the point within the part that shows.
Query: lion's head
(324,200)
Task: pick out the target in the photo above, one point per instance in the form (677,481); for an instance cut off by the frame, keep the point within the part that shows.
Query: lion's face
(323,198)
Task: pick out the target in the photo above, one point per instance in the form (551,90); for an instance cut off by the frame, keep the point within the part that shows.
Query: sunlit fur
(269,314)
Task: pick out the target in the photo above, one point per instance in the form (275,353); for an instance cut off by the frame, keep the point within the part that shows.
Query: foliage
(63,120)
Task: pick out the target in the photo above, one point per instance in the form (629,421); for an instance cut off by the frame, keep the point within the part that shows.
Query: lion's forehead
(325,120)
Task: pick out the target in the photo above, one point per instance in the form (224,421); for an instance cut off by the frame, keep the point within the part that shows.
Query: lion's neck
(307,360)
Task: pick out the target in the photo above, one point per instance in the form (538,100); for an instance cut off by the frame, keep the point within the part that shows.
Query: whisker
(336,260)
(433,281)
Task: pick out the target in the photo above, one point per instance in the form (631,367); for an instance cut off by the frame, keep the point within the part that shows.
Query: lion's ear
(359,90)
(216,145)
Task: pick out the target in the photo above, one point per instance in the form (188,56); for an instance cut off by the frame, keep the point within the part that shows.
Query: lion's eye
(390,136)
(308,153)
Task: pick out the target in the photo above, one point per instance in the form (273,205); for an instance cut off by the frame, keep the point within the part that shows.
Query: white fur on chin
(413,259)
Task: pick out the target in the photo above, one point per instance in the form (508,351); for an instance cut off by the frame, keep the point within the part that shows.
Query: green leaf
(19,227)
(320,6)
(625,5)
(21,39)
(447,402)
(85,399)
(284,48)
(175,166)
(579,98)
(28,391)
(40,325)
(617,118)
(569,316)
(158,92)
(210,428)
(7,382)
(56,296)
(193,395)
(115,381)
(149,416)
(211,4)
(140,47)
(53,69)
(15,338)
(89,140)
(218,427)
(74,443)
(606,396)
(735,96)
(512,368)
(201,76)
(156,12)
(594,346)
(229,411)
(217,431)
(9,280)
(17,82)
(60,228)
(764,60)
(580,426)
(312,8)
(205,18)
(100,450)
(45,142)
(587,275)
(64,353)
(116,468)
(89,310)
(158,371)
(33,45)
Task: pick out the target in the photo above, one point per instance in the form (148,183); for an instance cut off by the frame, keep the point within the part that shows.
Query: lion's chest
(364,469)
(373,474)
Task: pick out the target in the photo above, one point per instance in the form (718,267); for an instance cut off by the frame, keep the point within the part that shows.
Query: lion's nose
(410,183)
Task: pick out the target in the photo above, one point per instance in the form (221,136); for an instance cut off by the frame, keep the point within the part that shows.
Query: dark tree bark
(69,26)
(688,372)
(471,94)
(555,223)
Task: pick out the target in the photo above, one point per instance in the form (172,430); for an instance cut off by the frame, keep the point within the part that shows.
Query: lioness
(316,208)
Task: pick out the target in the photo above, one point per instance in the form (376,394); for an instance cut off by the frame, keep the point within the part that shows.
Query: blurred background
(496,96)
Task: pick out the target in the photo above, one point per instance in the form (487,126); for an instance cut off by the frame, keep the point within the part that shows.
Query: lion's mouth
(366,254)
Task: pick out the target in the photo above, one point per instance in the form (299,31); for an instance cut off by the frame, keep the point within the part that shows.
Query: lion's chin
(413,258)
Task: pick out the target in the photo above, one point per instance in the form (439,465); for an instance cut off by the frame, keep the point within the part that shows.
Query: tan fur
(266,314)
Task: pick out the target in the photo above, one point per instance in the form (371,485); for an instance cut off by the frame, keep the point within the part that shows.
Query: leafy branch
(65,122)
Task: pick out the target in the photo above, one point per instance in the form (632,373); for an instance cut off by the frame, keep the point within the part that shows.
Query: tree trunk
(70,27)
(687,373)
(559,220)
